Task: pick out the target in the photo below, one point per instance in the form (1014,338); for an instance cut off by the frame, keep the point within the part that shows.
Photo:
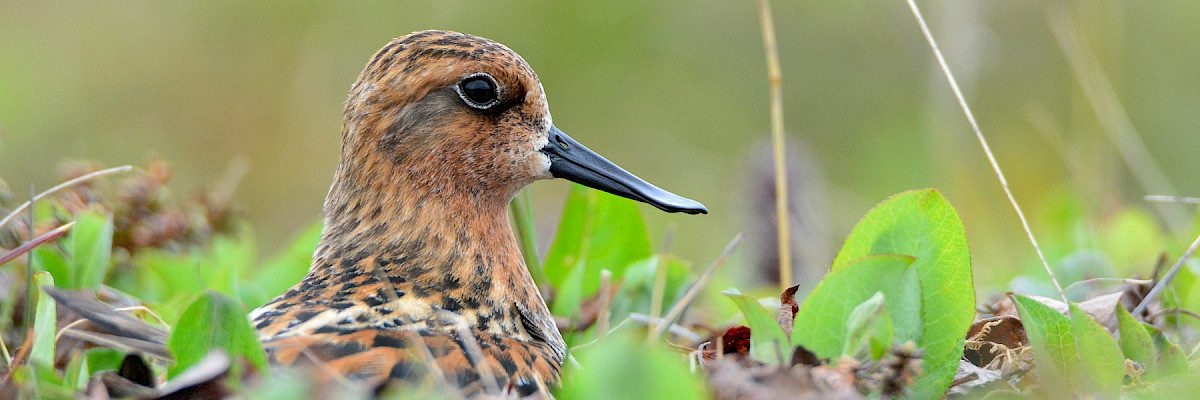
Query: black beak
(570,160)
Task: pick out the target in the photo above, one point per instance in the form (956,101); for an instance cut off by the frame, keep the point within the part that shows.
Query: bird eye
(479,91)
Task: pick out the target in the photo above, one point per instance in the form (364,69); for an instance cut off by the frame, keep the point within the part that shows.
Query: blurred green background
(674,91)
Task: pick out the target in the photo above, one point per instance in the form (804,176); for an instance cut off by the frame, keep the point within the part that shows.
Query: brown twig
(693,291)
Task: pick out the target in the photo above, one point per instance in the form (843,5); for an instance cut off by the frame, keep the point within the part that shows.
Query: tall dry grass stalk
(987,150)
(781,193)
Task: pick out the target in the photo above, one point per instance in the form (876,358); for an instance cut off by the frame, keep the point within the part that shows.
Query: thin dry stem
(61,186)
(606,297)
(962,102)
(4,349)
(693,290)
(781,192)
(1172,199)
(660,273)
(1167,278)
(27,246)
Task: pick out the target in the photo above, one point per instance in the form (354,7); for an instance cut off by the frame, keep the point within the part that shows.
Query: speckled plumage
(417,250)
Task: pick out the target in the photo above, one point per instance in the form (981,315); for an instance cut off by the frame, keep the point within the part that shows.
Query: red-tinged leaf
(736,340)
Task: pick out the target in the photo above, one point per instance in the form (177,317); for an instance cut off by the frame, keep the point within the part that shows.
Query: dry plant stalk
(781,193)
(987,150)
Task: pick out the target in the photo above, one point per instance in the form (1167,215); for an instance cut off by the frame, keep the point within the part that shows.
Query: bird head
(466,116)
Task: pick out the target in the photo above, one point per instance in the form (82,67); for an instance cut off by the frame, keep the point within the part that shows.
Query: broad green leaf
(768,343)
(76,374)
(45,324)
(1168,358)
(102,359)
(566,250)
(214,321)
(163,274)
(868,329)
(221,262)
(1053,341)
(568,298)
(922,224)
(820,324)
(602,230)
(1136,343)
(90,245)
(621,367)
(49,258)
(49,382)
(1103,366)
(1171,360)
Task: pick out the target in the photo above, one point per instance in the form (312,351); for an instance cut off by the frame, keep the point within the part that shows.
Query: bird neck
(427,242)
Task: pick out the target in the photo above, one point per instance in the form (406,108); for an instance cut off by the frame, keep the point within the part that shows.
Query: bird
(418,272)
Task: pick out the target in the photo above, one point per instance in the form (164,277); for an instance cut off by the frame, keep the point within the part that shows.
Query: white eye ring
(480,98)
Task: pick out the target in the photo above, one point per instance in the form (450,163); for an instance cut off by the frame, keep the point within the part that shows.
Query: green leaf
(1103,366)
(1053,341)
(90,245)
(621,367)
(45,324)
(214,321)
(76,374)
(567,301)
(868,329)
(1076,353)
(221,263)
(103,359)
(602,230)
(768,343)
(637,289)
(1136,343)
(1171,360)
(922,224)
(820,324)
(50,259)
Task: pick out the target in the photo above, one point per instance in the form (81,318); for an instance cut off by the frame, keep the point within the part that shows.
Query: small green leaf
(214,321)
(76,376)
(1102,364)
(1171,360)
(868,329)
(820,324)
(49,258)
(1053,342)
(45,324)
(1136,343)
(768,343)
(90,245)
(922,224)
